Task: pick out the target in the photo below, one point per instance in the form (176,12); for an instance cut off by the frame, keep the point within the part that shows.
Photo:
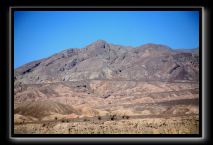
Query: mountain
(103,61)
(109,89)
(193,51)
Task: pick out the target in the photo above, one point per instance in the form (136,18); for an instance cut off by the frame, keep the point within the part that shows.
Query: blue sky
(39,34)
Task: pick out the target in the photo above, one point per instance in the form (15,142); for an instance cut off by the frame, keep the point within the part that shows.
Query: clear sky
(39,34)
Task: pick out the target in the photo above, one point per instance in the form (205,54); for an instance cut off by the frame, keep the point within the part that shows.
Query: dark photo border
(7,135)
(13,9)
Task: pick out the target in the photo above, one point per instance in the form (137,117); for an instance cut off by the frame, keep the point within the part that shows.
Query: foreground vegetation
(170,125)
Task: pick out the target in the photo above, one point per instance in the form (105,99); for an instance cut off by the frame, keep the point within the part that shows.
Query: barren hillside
(106,88)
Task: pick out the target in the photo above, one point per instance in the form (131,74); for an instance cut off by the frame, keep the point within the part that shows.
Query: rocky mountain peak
(98,44)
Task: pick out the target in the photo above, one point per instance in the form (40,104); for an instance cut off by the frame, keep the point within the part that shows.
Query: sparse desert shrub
(85,119)
(125,117)
(99,117)
(56,118)
(65,120)
(112,117)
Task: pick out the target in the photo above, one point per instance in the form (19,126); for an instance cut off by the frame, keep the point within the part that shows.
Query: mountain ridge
(103,60)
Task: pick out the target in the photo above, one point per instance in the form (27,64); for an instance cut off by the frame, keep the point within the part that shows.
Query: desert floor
(107,107)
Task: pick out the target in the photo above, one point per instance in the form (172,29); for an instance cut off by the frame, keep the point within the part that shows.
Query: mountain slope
(101,60)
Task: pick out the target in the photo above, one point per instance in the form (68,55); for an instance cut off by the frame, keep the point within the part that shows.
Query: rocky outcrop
(101,60)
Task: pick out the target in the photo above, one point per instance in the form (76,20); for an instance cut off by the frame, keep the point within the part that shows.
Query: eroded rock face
(101,60)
